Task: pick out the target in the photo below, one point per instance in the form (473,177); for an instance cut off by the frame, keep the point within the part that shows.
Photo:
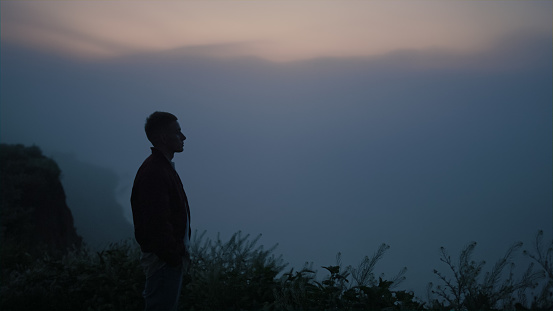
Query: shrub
(543,256)
(468,290)
(301,291)
(82,280)
(235,275)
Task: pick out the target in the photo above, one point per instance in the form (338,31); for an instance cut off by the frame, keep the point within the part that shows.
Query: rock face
(34,215)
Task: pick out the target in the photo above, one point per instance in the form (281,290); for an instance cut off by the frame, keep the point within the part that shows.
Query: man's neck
(168,154)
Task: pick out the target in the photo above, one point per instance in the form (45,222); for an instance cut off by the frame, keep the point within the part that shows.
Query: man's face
(174,138)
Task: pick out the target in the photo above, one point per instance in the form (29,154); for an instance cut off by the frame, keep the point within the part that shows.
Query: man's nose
(183,137)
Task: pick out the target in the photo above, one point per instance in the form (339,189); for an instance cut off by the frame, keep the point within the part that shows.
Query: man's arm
(153,229)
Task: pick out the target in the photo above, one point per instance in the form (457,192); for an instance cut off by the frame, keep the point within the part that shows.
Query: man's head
(164,132)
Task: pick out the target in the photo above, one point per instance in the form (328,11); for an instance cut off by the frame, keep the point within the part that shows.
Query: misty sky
(326,126)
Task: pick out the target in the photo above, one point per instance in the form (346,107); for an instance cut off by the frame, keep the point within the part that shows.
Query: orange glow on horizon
(273,30)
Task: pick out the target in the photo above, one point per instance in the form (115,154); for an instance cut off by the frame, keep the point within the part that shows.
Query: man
(161,215)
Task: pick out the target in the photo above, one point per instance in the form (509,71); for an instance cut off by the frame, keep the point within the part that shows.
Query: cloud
(281,31)
(91,196)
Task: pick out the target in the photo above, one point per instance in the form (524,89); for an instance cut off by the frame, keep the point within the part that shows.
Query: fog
(416,149)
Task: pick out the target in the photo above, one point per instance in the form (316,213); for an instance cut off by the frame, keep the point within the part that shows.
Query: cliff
(34,217)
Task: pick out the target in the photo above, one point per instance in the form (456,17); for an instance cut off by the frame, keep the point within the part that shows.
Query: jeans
(162,289)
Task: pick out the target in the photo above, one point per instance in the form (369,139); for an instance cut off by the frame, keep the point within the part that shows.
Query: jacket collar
(157,153)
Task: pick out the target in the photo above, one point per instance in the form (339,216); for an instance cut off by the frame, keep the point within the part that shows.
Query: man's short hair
(156,123)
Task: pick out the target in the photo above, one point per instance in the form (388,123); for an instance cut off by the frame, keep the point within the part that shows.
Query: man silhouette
(161,214)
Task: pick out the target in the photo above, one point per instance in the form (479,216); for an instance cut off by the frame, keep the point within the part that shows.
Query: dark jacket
(160,209)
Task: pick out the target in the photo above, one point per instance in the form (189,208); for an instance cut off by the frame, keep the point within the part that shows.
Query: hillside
(34,216)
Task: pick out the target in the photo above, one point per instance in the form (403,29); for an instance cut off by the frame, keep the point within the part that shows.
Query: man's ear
(159,138)
(162,136)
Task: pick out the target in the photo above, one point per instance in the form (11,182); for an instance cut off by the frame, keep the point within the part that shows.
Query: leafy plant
(301,290)
(82,280)
(543,256)
(295,289)
(233,275)
(468,290)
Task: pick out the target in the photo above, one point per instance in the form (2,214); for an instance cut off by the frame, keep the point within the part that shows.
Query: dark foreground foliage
(81,280)
(467,288)
(233,275)
(239,275)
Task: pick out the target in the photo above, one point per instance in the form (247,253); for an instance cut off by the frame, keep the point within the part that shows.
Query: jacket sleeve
(153,229)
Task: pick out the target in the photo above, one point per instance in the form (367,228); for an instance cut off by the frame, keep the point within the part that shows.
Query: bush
(468,290)
(82,280)
(236,275)
(301,291)
(543,256)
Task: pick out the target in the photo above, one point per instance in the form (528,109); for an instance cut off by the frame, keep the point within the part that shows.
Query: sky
(325,126)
